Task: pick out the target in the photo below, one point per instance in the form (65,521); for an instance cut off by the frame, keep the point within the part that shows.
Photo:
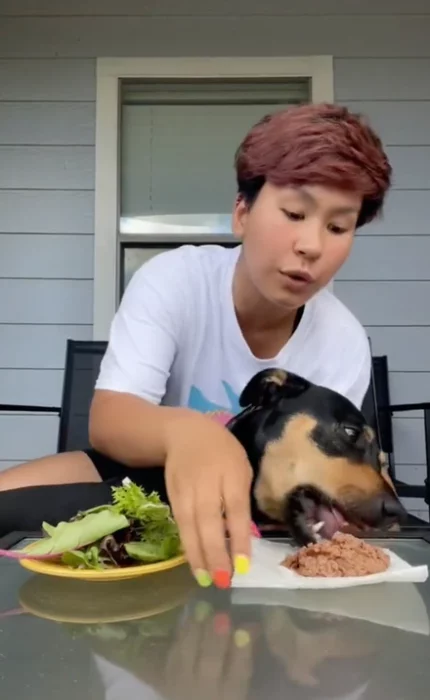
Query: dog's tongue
(332,519)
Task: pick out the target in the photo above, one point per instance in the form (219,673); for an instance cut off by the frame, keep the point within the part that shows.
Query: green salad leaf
(131,500)
(68,536)
(135,527)
(83,559)
(150,552)
(49,529)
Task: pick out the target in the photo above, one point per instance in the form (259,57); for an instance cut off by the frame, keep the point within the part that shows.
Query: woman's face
(295,239)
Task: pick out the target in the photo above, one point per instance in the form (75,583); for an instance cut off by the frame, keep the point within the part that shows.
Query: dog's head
(315,459)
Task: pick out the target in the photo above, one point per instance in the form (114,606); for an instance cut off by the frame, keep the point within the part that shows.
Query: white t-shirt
(175,339)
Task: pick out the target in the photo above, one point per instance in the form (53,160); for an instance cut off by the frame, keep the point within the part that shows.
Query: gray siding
(384,282)
(47,107)
(231,35)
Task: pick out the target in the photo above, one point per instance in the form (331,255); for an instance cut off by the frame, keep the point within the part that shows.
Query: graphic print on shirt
(198,401)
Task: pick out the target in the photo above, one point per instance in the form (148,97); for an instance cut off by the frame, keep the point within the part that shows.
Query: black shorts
(25,509)
(113,472)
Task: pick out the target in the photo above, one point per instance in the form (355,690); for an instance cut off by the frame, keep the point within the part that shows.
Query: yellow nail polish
(242,638)
(203,578)
(241,564)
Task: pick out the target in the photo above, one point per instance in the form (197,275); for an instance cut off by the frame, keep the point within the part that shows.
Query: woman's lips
(296,281)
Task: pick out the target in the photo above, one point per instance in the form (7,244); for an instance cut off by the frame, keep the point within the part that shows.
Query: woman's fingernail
(255,531)
(222,579)
(242,638)
(203,578)
(241,564)
(202,611)
(222,623)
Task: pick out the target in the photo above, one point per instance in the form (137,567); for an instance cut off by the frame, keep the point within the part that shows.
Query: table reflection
(162,638)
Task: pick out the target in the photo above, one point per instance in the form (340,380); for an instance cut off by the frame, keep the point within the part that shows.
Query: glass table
(162,637)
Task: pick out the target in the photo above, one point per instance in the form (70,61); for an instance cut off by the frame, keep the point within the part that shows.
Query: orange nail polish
(222,579)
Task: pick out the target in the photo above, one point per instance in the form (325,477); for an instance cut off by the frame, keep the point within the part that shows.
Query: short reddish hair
(315,144)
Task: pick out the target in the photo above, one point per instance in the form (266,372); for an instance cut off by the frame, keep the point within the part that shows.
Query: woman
(195,324)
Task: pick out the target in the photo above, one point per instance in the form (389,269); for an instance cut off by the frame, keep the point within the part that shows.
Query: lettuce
(69,536)
(150,552)
(135,527)
(132,501)
(87,559)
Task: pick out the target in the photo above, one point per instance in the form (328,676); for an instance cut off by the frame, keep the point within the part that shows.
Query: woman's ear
(266,386)
(240,215)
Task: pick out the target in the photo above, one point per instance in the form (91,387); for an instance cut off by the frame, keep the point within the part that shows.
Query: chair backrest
(376,399)
(383,402)
(83,360)
(375,403)
(369,406)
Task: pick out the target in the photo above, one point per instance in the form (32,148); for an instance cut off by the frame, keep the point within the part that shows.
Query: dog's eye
(351,431)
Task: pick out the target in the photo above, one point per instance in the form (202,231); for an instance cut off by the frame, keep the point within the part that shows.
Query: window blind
(234,92)
(178,140)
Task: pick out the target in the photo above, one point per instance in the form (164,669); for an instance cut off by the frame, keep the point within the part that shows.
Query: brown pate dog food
(344,555)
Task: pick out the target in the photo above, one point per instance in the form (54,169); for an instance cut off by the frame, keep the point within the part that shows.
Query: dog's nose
(392,509)
(383,510)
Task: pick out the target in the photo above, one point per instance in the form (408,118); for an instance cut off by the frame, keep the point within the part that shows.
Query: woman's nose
(309,242)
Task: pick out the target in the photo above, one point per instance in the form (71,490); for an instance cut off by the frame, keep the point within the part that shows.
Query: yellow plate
(75,602)
(53,568)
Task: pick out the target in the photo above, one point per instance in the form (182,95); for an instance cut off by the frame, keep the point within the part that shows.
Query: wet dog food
(344,555)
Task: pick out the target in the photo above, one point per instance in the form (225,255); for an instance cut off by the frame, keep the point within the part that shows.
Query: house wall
(47,132)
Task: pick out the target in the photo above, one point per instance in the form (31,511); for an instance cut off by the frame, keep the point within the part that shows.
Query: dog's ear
(266,386)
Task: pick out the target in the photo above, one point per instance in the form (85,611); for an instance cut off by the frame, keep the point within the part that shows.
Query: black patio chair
(83,360)
(379,413)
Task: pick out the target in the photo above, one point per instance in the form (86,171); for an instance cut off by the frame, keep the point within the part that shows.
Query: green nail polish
(202,611)
(203,578)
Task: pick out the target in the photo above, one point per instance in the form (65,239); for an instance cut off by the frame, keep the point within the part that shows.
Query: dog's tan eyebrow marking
(383,461)
(278,376)
(382,457)
(369,433)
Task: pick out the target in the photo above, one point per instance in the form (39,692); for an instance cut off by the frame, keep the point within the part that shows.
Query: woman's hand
(210,657)
(208,475)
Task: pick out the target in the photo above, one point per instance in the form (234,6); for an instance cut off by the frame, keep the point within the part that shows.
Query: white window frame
(110,71)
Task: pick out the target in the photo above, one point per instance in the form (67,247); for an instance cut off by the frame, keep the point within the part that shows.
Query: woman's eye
(336,229)
(293,215)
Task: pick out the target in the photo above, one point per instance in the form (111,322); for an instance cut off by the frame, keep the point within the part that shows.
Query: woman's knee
(63,468)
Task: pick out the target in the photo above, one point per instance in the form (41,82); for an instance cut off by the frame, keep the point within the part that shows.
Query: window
(177,141)
(166,136)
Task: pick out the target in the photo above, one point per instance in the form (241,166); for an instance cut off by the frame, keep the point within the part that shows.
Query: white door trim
(109,73)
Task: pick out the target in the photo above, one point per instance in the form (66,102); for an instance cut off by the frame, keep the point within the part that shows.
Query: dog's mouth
(326,522)
(311,515)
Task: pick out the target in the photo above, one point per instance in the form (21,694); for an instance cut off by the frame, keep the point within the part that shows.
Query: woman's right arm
(206,471)
(206,468)
(131,430)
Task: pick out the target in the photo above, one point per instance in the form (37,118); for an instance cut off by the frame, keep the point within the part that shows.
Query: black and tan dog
(317,465)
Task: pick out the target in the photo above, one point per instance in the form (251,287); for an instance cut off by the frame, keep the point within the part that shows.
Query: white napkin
(266,571)
(399,606)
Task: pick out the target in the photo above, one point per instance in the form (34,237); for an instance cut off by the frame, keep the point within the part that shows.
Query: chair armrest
(405,489)
(22,408)
(404,407)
